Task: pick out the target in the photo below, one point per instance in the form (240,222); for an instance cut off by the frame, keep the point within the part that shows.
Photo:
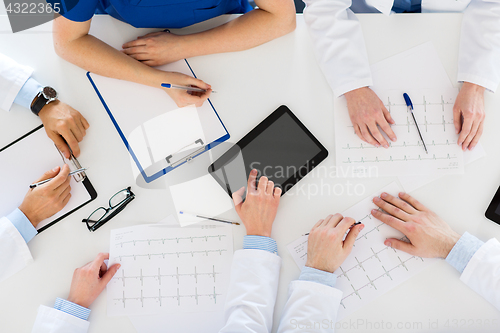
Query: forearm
(93,55)
(249,30)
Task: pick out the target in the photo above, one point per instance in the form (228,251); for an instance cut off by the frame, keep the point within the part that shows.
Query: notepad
(26,161)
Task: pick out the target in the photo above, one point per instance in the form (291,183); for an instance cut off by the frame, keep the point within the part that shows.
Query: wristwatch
(44,97)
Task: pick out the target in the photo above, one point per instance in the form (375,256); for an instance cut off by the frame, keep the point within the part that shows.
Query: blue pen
(409,104)
(175,86)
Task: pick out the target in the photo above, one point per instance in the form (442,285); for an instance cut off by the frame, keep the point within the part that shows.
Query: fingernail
(374,211)
(393,139)
(55,169)
(383,195)
(387,243)
(254,171)
(119,266)
(401,194)
(386,146)
(376,199)
(361,227)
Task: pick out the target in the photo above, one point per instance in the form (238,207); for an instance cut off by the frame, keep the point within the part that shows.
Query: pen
(175,86)
(209,218)
(48,180)
(409,104)
(349,227)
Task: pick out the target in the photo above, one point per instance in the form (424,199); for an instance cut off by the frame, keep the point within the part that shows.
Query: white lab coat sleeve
(482,273)
(12,78)
(50,320)
(339,44)
(311,307)
(252,292)
(479,53)
(14,252)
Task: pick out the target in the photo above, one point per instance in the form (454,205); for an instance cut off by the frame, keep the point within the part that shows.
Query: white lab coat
(340,47)
(12,78)
(312,306)
(14,252)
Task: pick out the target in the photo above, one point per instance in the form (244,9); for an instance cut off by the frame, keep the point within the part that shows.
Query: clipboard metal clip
(187,158)
(73,164)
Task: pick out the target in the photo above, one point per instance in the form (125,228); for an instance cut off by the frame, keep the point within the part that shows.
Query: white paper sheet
(169,270)
(433,111)
(24,163)
(372,269)
(200,196)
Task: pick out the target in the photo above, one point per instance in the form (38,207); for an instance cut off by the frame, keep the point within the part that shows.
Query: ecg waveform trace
(158,277)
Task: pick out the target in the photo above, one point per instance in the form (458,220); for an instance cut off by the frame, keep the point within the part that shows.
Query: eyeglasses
(116,204)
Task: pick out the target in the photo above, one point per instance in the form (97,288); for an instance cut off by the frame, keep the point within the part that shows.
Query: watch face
(49,93)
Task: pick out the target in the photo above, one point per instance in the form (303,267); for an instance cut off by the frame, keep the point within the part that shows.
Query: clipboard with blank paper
(25,160)
(159,136)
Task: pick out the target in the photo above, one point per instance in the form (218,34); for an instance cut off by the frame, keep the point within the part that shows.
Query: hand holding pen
(193,91)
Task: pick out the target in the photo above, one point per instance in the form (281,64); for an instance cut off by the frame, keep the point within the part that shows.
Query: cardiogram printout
(372,269)
(168,269)
(433,110)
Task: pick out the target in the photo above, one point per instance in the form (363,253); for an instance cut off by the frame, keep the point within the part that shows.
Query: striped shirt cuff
(252,242)
(319,276)
(72,308)
(463,251)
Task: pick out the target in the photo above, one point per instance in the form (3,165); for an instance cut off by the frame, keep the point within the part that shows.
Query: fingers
(412,201)
(277,192)
(474,141)
(71,139)
(198,83)
(262,184)
(403,205)
(389,220)
(238,198)
(389,119)
(111,271)
(333,220)
(252,181)
(367,136)
(141,49)
(49,174)
(378,136)
(98,261)
(400,245)
(345,224)
(466,128)
(471,136)
(318,224)
(270,187)
(151,34)
(60,178)
(64,189)
(387,129)
(351,236)
(65,200)
(457,119)
(390,209)
(134,43)
(85,123)
(60,144)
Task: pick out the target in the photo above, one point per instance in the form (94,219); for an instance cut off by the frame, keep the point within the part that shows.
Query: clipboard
(26,159)
(137,112)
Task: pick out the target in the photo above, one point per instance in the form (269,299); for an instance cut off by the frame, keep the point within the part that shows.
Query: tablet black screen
(280,148)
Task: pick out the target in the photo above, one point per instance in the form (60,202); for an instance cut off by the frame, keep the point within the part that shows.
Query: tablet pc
(280,148)
(493,211)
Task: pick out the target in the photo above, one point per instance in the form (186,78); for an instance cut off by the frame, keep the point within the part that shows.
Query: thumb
(457,120)
(238,198)
(49,174)
(60,143)
(400,245)
(110,273)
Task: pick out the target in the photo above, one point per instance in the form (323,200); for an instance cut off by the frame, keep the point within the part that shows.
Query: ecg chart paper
(372,269)
(433,111)
(169,269)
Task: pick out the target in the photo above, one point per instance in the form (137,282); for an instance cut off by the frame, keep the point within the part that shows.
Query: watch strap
(39,103)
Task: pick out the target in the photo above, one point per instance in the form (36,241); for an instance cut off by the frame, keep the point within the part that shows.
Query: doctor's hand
(260,207)
(183,98)
(47,199)
(156,48)
(429,235)
(326,248)
(60,119)
(367,111)
(468,115)
(90,280)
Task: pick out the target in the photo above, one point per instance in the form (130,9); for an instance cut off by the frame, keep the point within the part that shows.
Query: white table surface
(250,85)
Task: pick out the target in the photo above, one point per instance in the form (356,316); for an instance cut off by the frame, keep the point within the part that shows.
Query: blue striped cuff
(72,308)
(463,251)
(260,243)
(22,224)
(319,276)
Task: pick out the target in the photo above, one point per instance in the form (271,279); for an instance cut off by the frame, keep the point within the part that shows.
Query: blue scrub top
(152,13)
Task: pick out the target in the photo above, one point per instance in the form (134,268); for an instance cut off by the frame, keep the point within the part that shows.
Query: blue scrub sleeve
(76,10)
